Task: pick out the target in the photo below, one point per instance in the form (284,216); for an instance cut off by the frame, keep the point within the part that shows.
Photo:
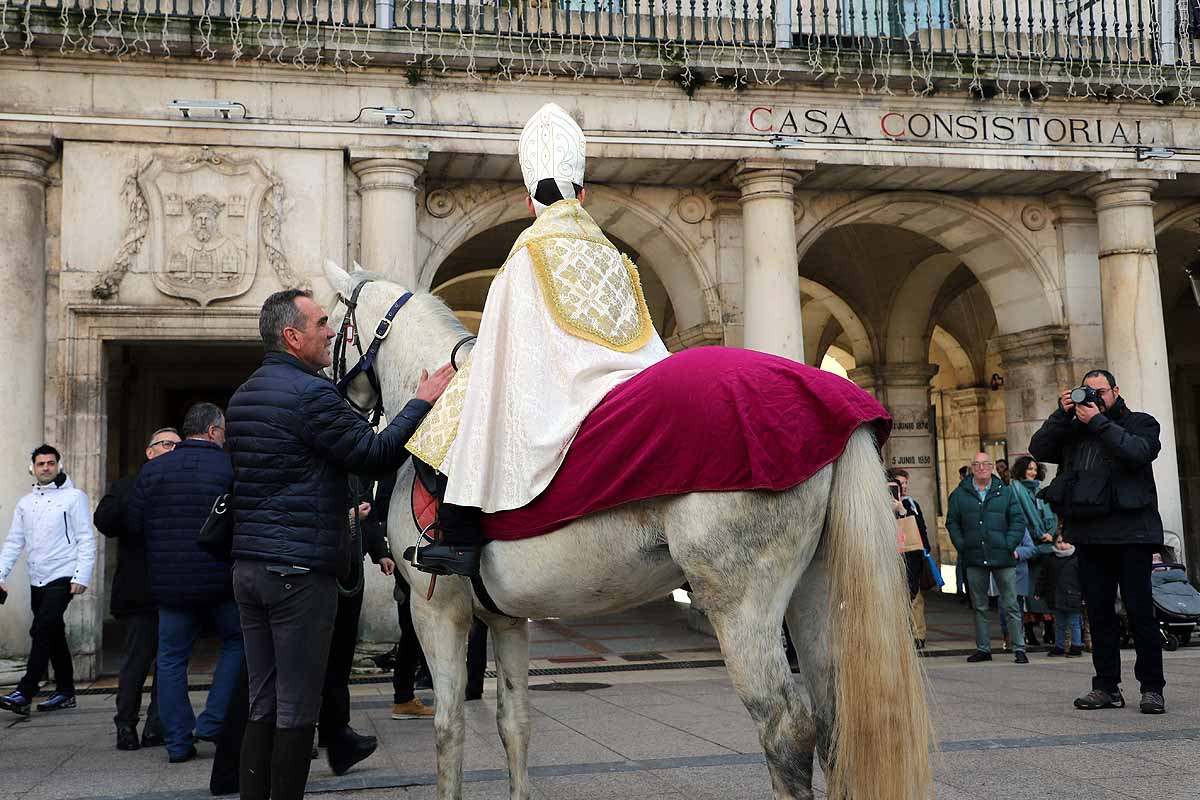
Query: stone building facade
(963,256)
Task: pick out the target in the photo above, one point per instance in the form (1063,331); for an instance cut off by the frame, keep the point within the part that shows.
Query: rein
(343,376)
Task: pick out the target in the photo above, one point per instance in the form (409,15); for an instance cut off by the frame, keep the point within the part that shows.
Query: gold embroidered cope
(593,292)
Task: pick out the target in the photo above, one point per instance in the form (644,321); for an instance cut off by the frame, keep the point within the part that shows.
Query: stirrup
(413,554)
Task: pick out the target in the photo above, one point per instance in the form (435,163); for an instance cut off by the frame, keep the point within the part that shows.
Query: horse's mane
(429,304)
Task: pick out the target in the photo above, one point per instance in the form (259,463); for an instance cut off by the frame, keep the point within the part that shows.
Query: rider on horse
(565,321)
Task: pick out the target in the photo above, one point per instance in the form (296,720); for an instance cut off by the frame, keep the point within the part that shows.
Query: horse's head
(421,336)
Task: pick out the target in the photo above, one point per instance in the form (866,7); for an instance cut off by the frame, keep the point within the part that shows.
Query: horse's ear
(358,267)
(338,278)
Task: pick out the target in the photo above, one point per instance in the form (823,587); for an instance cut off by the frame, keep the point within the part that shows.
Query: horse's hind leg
(754,656)
(743,578)
(808,622)
(510,638)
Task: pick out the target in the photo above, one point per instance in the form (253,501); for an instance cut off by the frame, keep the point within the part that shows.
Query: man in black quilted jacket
(192,589)
(294,441)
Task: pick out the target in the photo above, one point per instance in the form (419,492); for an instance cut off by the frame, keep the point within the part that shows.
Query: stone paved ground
(1006,731)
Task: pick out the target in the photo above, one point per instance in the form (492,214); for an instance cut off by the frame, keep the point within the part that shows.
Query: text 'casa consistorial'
(949,126)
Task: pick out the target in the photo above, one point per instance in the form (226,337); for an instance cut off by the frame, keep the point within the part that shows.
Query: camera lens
(1079,396)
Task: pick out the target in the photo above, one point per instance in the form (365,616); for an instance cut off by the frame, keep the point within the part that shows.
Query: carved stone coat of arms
(205,224)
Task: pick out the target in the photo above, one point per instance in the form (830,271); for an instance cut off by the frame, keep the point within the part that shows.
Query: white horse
(822,553)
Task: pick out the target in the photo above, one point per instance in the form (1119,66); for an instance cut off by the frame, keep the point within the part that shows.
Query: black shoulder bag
(216,534)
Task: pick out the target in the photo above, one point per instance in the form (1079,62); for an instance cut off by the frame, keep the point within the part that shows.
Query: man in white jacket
(53,522)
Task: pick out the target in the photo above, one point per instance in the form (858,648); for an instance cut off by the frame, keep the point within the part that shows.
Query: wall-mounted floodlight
(392,115)
(783,142)
(1149,153)
(214,108)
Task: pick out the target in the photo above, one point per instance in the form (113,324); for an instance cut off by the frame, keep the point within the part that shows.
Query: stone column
(769,262)
(903,389)
(1135,339)
(388,188)
(23,341)
(1036,367)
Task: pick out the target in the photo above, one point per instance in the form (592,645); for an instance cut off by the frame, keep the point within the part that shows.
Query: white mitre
(552,146)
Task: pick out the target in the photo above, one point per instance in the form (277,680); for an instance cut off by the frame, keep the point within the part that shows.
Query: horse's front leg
(442,624)
(510,638)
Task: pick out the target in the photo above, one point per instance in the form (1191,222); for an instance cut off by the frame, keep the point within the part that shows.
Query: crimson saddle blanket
(702,420)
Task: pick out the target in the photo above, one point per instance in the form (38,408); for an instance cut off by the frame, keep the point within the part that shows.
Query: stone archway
(663,249)
(1016,278)
(857,339)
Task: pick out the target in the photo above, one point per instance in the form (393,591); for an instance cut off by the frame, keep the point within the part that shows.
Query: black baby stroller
(1176,601)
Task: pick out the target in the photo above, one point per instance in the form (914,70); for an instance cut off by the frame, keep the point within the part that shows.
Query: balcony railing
(1038,34)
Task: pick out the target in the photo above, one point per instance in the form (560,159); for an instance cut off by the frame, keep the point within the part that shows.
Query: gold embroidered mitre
(593,291)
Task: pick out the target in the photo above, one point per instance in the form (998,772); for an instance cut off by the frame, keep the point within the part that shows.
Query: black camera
(1084,395)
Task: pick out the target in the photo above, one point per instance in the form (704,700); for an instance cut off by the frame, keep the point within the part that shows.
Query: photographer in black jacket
(1106,497)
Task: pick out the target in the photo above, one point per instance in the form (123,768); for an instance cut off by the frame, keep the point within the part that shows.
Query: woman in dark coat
(1027,477)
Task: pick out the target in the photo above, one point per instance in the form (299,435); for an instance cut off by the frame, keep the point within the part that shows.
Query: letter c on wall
(883,124)
(770,125)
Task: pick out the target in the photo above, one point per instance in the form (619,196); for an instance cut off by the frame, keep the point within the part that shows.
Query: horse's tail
(882,733)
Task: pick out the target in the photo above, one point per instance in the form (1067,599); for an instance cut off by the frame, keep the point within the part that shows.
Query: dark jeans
(287,622)
(408,656)
(49,634)
(335,696)
(141,648)
(1102,570)
(178,629)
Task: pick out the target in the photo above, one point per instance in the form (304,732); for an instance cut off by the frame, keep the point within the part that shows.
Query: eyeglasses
(165,444)
(982,464)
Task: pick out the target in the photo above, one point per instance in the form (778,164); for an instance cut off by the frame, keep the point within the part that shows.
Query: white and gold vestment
(565,321)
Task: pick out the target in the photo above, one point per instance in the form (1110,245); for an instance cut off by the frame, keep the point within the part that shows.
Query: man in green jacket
(985,523)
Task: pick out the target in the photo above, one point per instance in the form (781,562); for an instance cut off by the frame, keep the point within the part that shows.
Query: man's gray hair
(154,436)
(279,312)
(200,417)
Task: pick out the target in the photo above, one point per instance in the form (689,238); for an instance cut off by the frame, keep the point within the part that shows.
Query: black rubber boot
(457,552)
(1031,639)
(254,773)
(347,747)
(290,762)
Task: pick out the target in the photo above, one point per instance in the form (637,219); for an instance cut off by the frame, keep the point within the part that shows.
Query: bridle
(347,334)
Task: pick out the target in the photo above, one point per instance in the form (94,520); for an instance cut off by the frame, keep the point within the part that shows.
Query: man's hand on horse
(431,386)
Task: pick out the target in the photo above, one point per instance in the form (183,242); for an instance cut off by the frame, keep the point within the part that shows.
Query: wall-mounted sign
(955,126)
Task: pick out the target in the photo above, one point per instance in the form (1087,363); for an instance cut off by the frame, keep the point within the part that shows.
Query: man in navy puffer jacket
(294,442)
(171,500)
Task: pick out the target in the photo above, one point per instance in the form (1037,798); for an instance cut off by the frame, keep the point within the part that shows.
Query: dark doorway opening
(151,385)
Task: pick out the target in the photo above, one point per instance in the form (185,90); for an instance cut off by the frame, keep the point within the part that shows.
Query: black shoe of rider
(448,558)
(127,737)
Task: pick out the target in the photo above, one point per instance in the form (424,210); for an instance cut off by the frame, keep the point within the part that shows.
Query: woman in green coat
(1027,477)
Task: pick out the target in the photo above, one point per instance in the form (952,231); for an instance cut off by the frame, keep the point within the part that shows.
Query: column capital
(899,374)
(29,162)
(1125,187)
(387,173)
(1071,209)
(1047,344)
(763,178)
(973,398)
